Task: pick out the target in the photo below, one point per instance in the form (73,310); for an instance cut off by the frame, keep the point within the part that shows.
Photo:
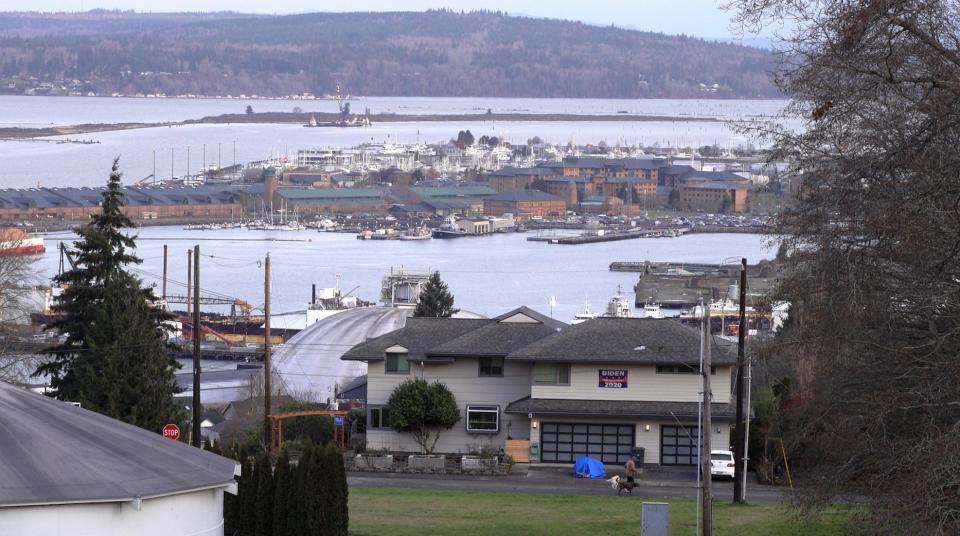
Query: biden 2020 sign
(613,378)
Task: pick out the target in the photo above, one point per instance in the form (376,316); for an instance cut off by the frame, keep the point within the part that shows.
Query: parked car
(722,464)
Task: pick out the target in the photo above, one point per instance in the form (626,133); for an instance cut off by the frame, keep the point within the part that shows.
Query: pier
(611,236)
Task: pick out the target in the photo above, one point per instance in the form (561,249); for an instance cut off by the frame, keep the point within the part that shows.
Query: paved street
(678,484)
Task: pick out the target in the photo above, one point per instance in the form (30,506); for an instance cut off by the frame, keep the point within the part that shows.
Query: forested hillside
(437,53)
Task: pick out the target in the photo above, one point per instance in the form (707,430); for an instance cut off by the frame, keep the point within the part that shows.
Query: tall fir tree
(296,505)
(338,483)
(312,491)
(115,358)
(265,496)
(281,494)
(435,299)
(248,498)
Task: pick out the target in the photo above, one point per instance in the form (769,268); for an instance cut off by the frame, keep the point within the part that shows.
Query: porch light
(646,427)
(534,423)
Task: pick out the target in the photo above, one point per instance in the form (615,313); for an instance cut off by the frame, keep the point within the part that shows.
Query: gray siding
(463,379)
(643,383)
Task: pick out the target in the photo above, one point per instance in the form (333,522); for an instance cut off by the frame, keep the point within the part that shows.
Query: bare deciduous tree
(874,268)
(17,296)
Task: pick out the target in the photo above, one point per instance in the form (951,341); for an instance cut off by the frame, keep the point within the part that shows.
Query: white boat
(418,233)
(652,310)
(584,315)
(618,307)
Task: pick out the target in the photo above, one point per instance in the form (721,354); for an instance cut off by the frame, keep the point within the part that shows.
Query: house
(466,354)
(604,387)
(68,470)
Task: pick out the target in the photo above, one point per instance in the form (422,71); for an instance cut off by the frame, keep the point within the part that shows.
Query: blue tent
(587,467)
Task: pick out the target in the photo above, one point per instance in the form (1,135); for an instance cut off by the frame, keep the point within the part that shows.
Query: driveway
(670,483)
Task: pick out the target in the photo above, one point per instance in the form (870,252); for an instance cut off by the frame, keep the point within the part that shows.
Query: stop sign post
(171,431)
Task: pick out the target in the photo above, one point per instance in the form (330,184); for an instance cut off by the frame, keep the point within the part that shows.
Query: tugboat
(449,229)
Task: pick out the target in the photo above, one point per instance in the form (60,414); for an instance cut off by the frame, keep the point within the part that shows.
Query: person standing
(630,469)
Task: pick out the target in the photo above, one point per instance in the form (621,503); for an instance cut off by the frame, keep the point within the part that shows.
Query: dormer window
(397,360)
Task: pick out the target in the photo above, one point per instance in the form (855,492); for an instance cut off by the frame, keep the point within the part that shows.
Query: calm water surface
(488,275)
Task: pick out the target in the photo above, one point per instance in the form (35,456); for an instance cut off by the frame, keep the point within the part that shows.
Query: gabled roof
(417,336)
(623,340)
(56,453)
(505,333)
(446,338)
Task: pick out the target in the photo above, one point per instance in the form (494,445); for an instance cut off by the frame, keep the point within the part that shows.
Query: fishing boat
(417,233)
(584,315)
(16,241)
(652,309)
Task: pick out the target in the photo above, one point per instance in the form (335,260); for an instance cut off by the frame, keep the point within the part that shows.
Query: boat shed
(66,470)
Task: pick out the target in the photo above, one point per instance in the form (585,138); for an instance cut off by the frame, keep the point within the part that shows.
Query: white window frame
(381,410)
(482,408)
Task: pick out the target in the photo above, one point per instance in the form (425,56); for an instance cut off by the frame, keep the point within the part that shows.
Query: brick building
(524,204)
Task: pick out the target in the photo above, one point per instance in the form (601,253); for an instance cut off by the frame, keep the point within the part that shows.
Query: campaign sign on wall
(613,378)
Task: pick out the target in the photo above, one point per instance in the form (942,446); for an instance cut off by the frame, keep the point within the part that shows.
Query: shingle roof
(623,340)
(620,408)
(429,192)
(524,195)
(426,338)
(499,338)
(711,175)
(53,452)
(328,193)
(417,336)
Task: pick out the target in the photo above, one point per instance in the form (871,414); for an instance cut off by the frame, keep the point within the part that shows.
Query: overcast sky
(702,18)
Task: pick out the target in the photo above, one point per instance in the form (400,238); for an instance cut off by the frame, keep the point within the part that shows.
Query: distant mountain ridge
(433,53)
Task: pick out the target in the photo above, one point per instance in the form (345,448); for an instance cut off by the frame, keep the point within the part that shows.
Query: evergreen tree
(338,483)
(115,358)
(435,299)
(310,470)
(321,480)
(265,496)
(281,494)
(248,498)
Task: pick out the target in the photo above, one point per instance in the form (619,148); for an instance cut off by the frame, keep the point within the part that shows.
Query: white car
(722,464)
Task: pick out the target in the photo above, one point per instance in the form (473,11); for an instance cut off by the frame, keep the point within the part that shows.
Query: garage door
(563,442)
(678,445)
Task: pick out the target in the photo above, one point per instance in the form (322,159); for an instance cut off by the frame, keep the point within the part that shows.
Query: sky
(701,18)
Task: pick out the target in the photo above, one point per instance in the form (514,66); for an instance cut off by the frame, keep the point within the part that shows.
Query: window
(491,366)
(551,373)
(397,363)
(682,369)
(483,419)
(379,417)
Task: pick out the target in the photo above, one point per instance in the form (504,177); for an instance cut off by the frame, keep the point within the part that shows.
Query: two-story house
(469,357)
(602,388)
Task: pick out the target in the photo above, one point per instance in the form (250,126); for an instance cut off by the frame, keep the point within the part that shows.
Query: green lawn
(375,512)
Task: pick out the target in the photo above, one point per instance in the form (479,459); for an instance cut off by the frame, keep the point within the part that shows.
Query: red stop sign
(171,431)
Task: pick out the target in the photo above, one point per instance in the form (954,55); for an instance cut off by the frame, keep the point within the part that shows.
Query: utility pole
(266,353)
(164,287)
(740,446)
(707,428)
(189,279)
(196,347)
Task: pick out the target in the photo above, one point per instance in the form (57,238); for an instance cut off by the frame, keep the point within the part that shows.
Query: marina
(488,277)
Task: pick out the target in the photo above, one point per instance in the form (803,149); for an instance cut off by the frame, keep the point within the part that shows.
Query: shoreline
(281,118)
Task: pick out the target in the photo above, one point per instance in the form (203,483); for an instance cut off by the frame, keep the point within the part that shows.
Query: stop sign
(171,431)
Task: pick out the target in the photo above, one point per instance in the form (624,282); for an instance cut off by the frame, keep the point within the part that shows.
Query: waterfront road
(667,484)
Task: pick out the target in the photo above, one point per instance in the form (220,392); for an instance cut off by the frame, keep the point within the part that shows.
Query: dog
(620,485)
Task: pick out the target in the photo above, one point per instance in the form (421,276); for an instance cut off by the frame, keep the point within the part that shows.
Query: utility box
(534,452)
(653,519)
(638,453)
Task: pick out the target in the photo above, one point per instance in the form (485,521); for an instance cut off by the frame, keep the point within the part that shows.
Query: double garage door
(564,442)
(678,445)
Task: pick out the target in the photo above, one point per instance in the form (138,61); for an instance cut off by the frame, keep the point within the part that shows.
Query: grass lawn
(375,512)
